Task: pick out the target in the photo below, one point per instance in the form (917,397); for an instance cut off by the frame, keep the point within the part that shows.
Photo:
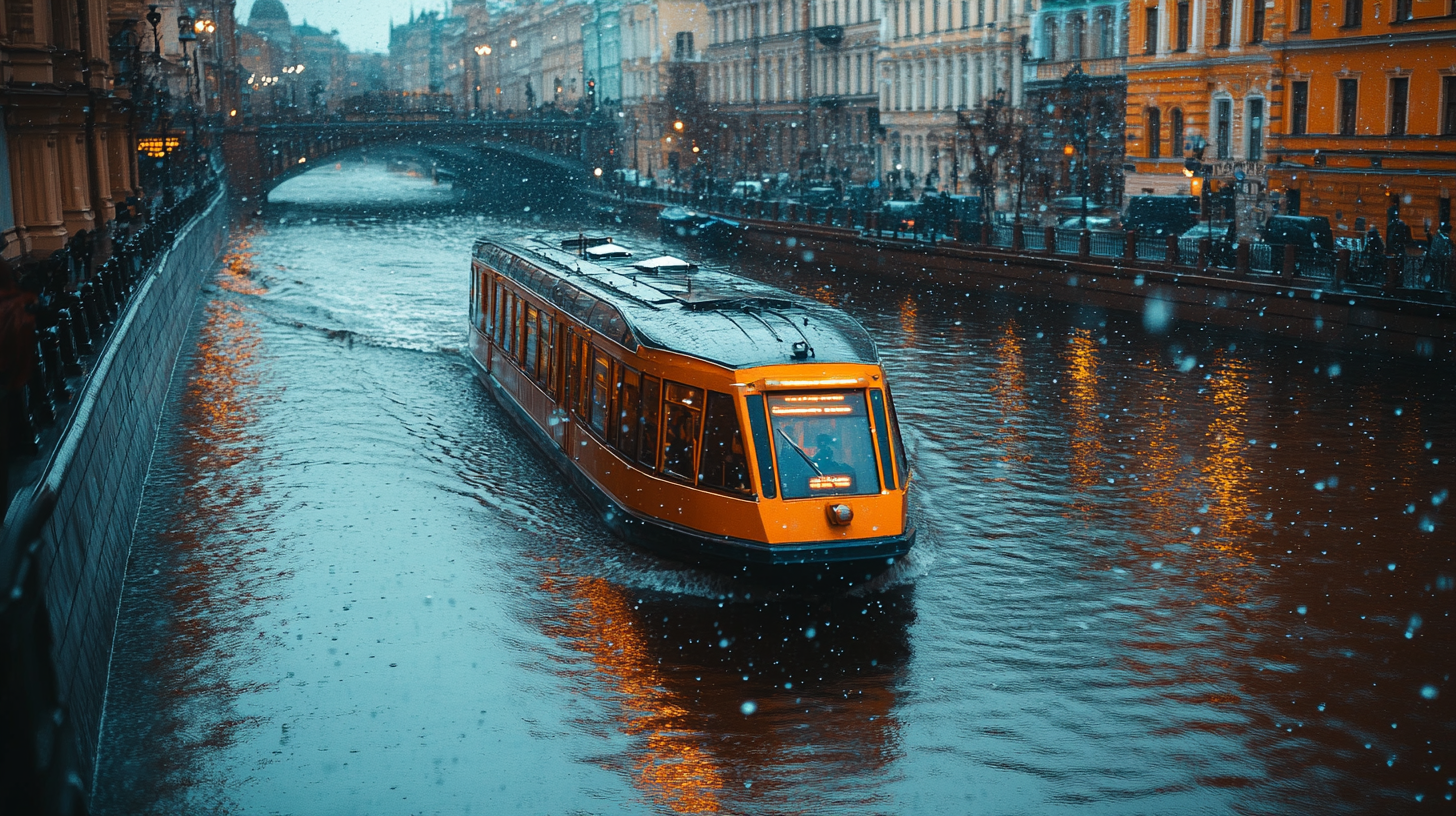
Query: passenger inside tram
(841,459)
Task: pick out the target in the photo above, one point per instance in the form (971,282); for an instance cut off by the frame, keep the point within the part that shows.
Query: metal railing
(1427,274)
(72,298)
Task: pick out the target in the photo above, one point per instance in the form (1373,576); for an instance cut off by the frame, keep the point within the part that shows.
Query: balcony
(1104,67)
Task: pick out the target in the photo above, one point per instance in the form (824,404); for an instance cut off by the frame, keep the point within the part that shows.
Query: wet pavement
(1195,572)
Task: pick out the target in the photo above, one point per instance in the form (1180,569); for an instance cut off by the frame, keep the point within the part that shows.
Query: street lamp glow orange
(677,126)
(1068,149)
(482,50)
(513,42)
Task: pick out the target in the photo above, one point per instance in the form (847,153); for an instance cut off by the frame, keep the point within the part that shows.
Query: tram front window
(823,444)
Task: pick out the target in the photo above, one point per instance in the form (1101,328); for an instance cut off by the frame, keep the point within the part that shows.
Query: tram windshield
(823,444)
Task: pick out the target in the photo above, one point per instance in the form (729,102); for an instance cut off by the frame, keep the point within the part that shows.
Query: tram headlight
(839,514)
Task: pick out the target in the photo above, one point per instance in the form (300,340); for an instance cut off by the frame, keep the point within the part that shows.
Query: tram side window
(528,359)
(482,302)
(724,463)
(498,313)
(900,463)
(601,383)
(510,322)
(651,409)
(629,394)
(518,329)
(581,368)
(553,332)
(882,437)
(682,421)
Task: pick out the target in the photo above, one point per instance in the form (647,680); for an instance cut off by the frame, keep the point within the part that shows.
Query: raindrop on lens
(748,707)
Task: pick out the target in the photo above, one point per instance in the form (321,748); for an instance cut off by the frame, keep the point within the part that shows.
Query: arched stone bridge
(262,156)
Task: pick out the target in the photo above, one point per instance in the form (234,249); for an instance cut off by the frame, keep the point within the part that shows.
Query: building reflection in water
(1084,403)
(191,632)
(1008,390)
(743,702)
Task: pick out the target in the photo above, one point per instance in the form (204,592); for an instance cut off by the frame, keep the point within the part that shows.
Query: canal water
(1172,571)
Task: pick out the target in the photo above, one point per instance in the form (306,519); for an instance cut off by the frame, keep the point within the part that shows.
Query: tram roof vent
(581,242)
(665,263)
(602,251)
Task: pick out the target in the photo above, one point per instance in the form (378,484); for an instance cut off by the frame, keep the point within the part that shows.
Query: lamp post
(1077,84)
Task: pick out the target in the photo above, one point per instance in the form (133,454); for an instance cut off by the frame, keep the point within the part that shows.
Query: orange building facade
(1369,124)
(1340,109)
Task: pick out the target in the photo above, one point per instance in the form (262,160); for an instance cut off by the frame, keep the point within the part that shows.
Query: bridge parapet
(263,155)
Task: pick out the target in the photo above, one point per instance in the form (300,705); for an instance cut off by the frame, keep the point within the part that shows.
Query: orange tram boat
(708,417)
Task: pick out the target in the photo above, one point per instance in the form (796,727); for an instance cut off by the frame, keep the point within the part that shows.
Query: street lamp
(482,50)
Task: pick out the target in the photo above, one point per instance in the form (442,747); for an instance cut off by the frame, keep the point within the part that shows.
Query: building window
(1402,11)
(1155,133)
(1256,26)
(1448,106)
(1079,34)
(1352,13)
(1175,128)
(1256,130)
(1349,106)
(1399,99)
(965,13)
(1298,108)
(1150,30)
(1104,34)
(683,46)
(1301,22)
(1225,22)
(1223,128)
(1051,38)
(1182,27)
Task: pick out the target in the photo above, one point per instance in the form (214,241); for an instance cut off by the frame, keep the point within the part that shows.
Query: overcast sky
(363,24)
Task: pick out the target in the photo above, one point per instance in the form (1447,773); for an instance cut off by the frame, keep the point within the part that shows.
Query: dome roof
(267,10)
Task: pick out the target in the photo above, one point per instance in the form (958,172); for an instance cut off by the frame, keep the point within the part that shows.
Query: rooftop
(715,316)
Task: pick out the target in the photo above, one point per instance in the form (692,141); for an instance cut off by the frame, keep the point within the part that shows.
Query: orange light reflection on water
(1085,408)
(674,768)
(1008,389)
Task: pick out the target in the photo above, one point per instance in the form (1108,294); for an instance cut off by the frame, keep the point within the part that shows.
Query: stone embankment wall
(103,460)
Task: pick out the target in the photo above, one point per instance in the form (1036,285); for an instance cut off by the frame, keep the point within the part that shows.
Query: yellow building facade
(1340,109)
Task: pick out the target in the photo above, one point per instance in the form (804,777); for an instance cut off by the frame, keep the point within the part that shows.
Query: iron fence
(1152,248)
(1188,251)
(1109,244)
(1069,242)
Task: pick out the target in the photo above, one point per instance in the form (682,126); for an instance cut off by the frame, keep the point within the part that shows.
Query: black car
(1161,215)
(1305,232)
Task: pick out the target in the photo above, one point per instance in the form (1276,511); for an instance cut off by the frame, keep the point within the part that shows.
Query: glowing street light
(677,126)
(482,50)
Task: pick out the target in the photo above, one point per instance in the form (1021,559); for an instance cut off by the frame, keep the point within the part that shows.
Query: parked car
(900,216)
(821,197)
(1222,241)
(1097,223)
(1073,204)
(747,189)
(1303,231)
(1161,215)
